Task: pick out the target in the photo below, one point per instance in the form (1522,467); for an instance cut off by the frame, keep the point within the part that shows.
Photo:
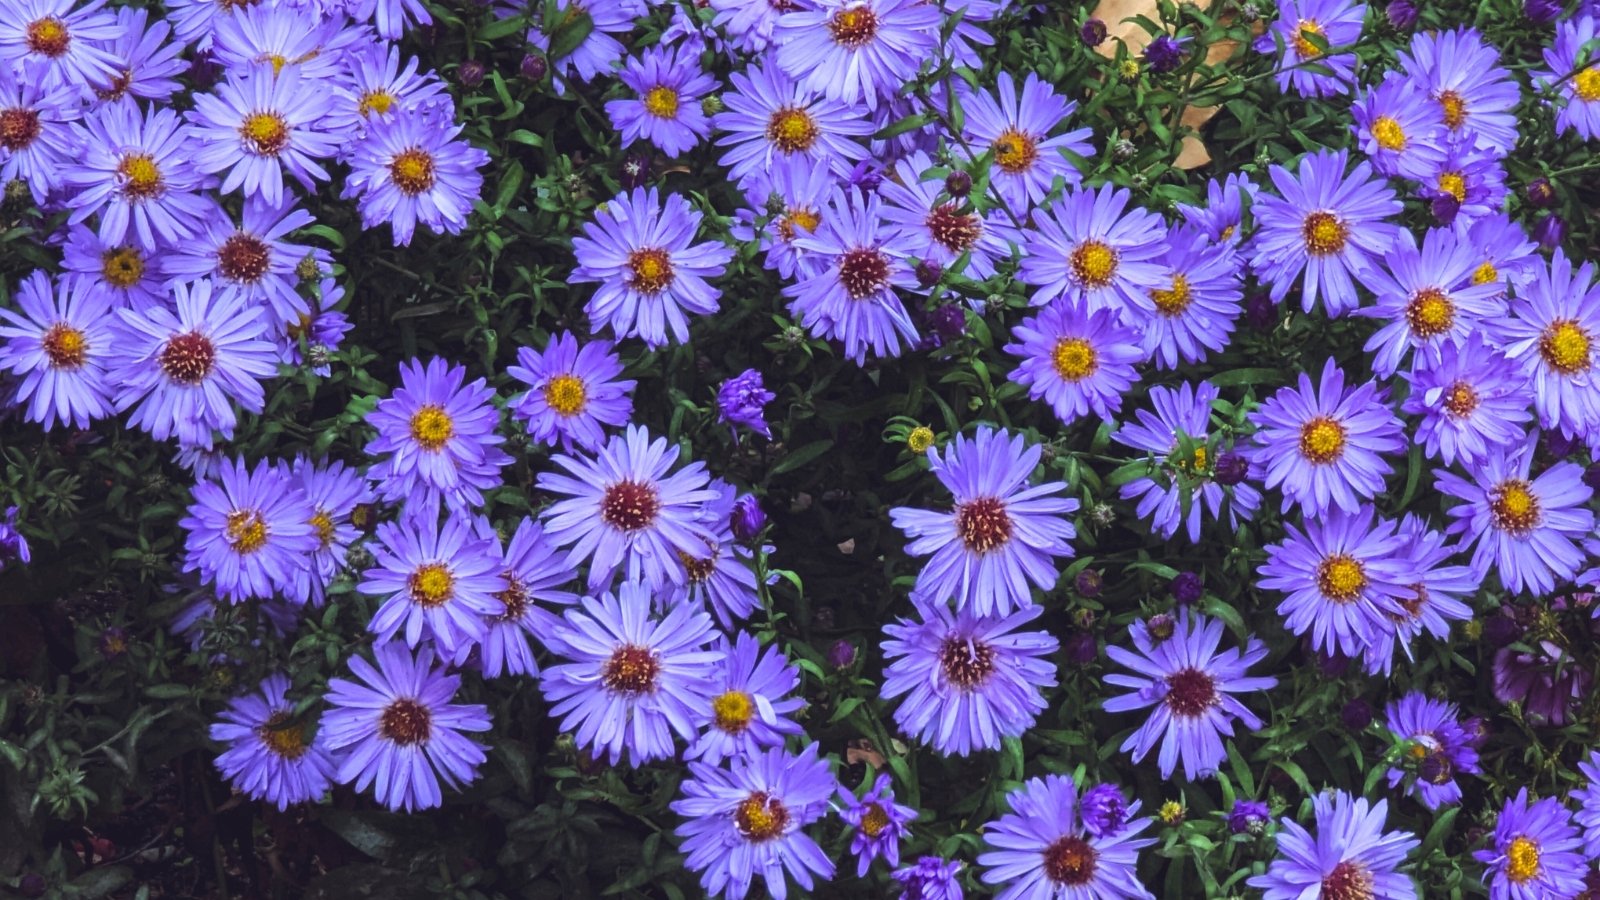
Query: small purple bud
(204,70)
(958,183)
(1164,54)
(1541,193)
(1161,626)
(471,73)
(742,400)
(1444,206)
(1187,588)
(1093,33)
(1550,231)
(1356,715)
(929,272)
(1232,469)
(534,67)
(1083,617)
(865,176)
(1476,730)
(32,885)
(1402,14)
(747,519)
(1248,817)
(1261,312)
(1082,648)
(950,321)
(1088,583)
(842,655)
(1542,12)
(1103,810)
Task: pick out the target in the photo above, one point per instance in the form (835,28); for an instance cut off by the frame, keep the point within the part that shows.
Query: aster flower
(1248,817)
(1399,128)
(1588,798)
(1580,94)
(57,343)
(1527,530)
(649,269)
(410,168)
(281,35)
(248,531)
(1165,53)
(850,296)
(1337,22)
(184,367)
(254,257)
(1186,488)
(437,582)
(391,18)
(856,51)
(37,138)
(1463,75)
(1000,536)
(771,120)
(747,821)
(1436,743)
(1093,249)
(440,434)
(1324,445)
(942,229)
(1194,313)
(968,680)
(59,45)
(258,124)
(1351,854)
(333,492)
(13,546)
(1470,399)
(1042,851)
(668,84)
(1016,126)
(802,190)
(574,393)
(1427,298)
(145,61)
(1103,809)
(1222,218)
(1076,360)
(1473,178)
(533,572)
(311,339)
(929,878)
(748,704)
(622,507)
(380,86)
(398,732)
(1545,680)
(1506,255)
(134,173)
(194,20)
(124,274)
(1437,594)
(1536,851)
(879,823)
(1346,577)
(631,680)
(1328,225)
(748,23)
(269,756)
(1554,333)
(1191,686)
(742,400)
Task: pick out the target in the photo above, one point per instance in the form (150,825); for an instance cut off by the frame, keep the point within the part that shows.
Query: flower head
(742,400)
(1076,360)
(879,823)
(1093,249)
(1471,401)
(1434,735)
(1310,31)
(437,582)
(749,702)
(1463,75)
(1554,333)
(856,51)
(259,125)
(1536,851)
(1042,849)
(1427,298)
(771,120)
(269,755)
(667,85)
(249,531)
(574,392)
(1350,856)
(57,343)
(1017,125)
(410,168)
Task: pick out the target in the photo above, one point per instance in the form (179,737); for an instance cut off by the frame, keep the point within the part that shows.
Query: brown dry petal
(861,751)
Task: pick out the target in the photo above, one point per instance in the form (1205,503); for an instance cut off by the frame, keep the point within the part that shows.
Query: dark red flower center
(18,128)
(863,271)
(967,662)
(1349,880)
(1070,861)
(760,817)
(957,232)
(631,670)
(983,524)
(1190,692)
(405,722)
(48,37)
(188,358)
(514,599)
(244,258)
(853,27)
(64,346)
(630,506)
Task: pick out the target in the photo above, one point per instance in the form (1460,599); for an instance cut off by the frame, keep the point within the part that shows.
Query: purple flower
(253,258)
(748,703)
(1223,215)
(1463,75)
(410,168)
(741,399)
(1042,849)
(259,124)
(1471,400)
(134,172)
(1336,23)
(649,269)
(391,17)
(436,582)
(1193,315)
(968,680)
(574,392)
(380,87)
(1548,683)
(667,84)
(1076,360)
(879,822)
(125,275)
(1091,248)
(40,141)
(58,344)
(1579,109)
(269,756)
(1165,53)
(1438,594)
(13,546)
(1248,816)
(999,537)
(1550,231)
(599,52)
(942,230)
(58,45)
(1536,851)
(747,519)
(1346,577)
(333,492)
(1427,298)
(248,532)
(144,59)
(1103,809)
(1016,125)
(282,35)
(930,878)
(1435,737)
(771,122)
(533,573)
(1350,856)
(1400,128)
(856,51)
(398,731)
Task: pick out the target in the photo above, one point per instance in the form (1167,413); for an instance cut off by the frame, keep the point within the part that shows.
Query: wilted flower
(741,401)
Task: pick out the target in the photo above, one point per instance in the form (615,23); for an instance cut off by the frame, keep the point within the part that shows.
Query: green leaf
(1248,376)
(566,28)
(803,455)
(901,126)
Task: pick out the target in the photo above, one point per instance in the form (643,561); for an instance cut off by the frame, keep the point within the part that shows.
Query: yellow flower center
(875,820)
(1389,134)
(1455,108)
(1485,274)
(760,817)
(431,427)
(377,101)
(1093,263)
(1303,47)
(48,36)
(1322,440)
(1324,234)
(1460,400)
(1513,506)
(565,394)
(1522,859)
(853,27)
(1014,151)
(792,130)
(64,346)
(802,218)
(1454,184)
(265,133)
(1174,301)
(323,523)
(246,531)
(661,102)
(920,439)
(412,171)
(1341,578)
(431,585)
(1565,347)
(1074,359)
(733,711)
(651,269)
(140,176)
(1430,313)
(1587,85)
(288,742)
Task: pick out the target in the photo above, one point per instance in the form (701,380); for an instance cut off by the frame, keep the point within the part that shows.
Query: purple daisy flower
(1526,530)
(1536,851)
(57,343)
(850,296)
(648,267)
(749,702)
(1471,177)
(269,756)
(1076,360)
(1506,256)
(1000,537)
(257,124)
(310,340)
(254,257)
(1222,218)
(437,582)
(942,228)
(333,491)
(59,45)
(399,732)
(747,820)
(1324,445)
(1400,128)
(1546,681)
(145,61)
(128,276)
(969,681)
(37,137)
(1194,314)
(1435,743)
(1179,495)
(1346,577)
(668,85)
(533,572)
(880,823)
(631,680)
(1103,809)
(742,400)
(1470,399)
(1191,686)
(573,394)
(930,878)
(380,86)
(184,367)
(749,23)
(134,172)
(1350,856)
(1437,592)
(1462,74)
(1326,224)
(856,51)
(248,531)
(1426,298)
(283,35)
(1580,107)
(13,546)
(410,168)
(1335,22)
(1042,850)
(1588,798)
(1092,248)
(770,121)
(1248,817)
(803,191)
(1554,332)
(440,436)
(1016,126)
(622,507)
(391,18)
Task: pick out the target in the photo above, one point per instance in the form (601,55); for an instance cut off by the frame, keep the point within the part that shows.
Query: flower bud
(710,105)
(928,273)
(1103,810)
(1261,312)
(1088,583)
(204,70)
(1444,207)
(534,67)
(1123,150)
(1541,193)
(1231,469)
(1248,817)
(1093,33)
(958,183)
(1500,630)
(1541,12)
(1402,14)
(635,172)
(32,885)
(1356,715)
(1161,626)
(747,518)
(1187,588)
(1082,648)
(950,321)
(1550,232)
(842,655)
(471,73)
